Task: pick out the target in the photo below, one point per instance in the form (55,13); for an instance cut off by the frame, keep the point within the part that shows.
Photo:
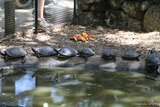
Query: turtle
(14,52)
(131,55)
(153,61)
(153,58)
(86,52)
(108,54)
(66,52)
(44,51)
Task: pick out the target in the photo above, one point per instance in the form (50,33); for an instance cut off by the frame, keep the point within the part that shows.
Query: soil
(119,40)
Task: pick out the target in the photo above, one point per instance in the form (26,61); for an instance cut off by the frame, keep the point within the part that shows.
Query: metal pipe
(75,16)
(36,16)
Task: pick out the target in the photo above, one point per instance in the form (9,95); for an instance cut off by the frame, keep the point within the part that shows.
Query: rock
(99,7)
(41,38)
(134,24)
(90,18)
(82,6)
(116,18)
(87,1)
(151,18)
(115,4)
(132,8)
(145,5)
(156,1)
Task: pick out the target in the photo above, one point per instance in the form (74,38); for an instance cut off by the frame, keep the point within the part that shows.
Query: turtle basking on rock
(153,58)
(86,52)
(44,51)
(13,53)
(66,52)
(108,54)
(153,61)
(131,55)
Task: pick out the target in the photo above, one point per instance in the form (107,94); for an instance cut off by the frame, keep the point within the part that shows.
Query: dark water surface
(78,88)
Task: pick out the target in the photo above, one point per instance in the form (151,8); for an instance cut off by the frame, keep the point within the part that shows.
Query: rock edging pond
(94,62)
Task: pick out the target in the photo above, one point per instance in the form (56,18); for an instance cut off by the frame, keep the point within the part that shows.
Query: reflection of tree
(25,83)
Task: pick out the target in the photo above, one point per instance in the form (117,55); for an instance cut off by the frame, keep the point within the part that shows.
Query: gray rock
(83,7)
(156,1)
(145,5)
(99,7)
(91,18)
(86,1)
(116,18)
(132,8)
(151,18)
(134,24)
(115,4)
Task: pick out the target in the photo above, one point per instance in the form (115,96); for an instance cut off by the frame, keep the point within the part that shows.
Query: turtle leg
(86,58)
(6,57)
(23,60)
(137,59)
(38,55)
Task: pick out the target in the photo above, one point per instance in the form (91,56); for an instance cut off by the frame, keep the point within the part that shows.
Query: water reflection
(56,98)
(86,89)
(25,102)
(25,83)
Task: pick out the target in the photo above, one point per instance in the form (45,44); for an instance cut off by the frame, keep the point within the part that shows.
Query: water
(78,88)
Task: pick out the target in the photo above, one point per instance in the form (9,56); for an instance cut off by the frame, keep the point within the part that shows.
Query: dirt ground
(106,38)
(119,40)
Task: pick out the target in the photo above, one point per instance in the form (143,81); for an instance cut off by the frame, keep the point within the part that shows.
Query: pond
(78,87)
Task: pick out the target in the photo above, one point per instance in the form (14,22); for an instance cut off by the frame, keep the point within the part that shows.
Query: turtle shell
(109,54)
(67,52)
(131,55)
(16,52)
(86,52)
(153,57)
(44,51)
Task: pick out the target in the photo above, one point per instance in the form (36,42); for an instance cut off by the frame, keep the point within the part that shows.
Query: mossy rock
(156,1)
(116,18)
(91,18)
(132,8)
(151,18)
(115,4)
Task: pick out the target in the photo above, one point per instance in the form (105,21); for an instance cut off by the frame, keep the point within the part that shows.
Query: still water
(78,88)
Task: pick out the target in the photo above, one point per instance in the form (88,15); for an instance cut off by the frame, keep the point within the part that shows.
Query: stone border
(95,62)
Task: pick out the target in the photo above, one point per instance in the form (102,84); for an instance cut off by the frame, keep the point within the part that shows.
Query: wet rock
(115,4)
(151,18)
(132,8)
(116,18)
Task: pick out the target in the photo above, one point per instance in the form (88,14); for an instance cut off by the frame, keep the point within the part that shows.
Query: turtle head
(2,52)
(35,50)
(153,50)
(57,49)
